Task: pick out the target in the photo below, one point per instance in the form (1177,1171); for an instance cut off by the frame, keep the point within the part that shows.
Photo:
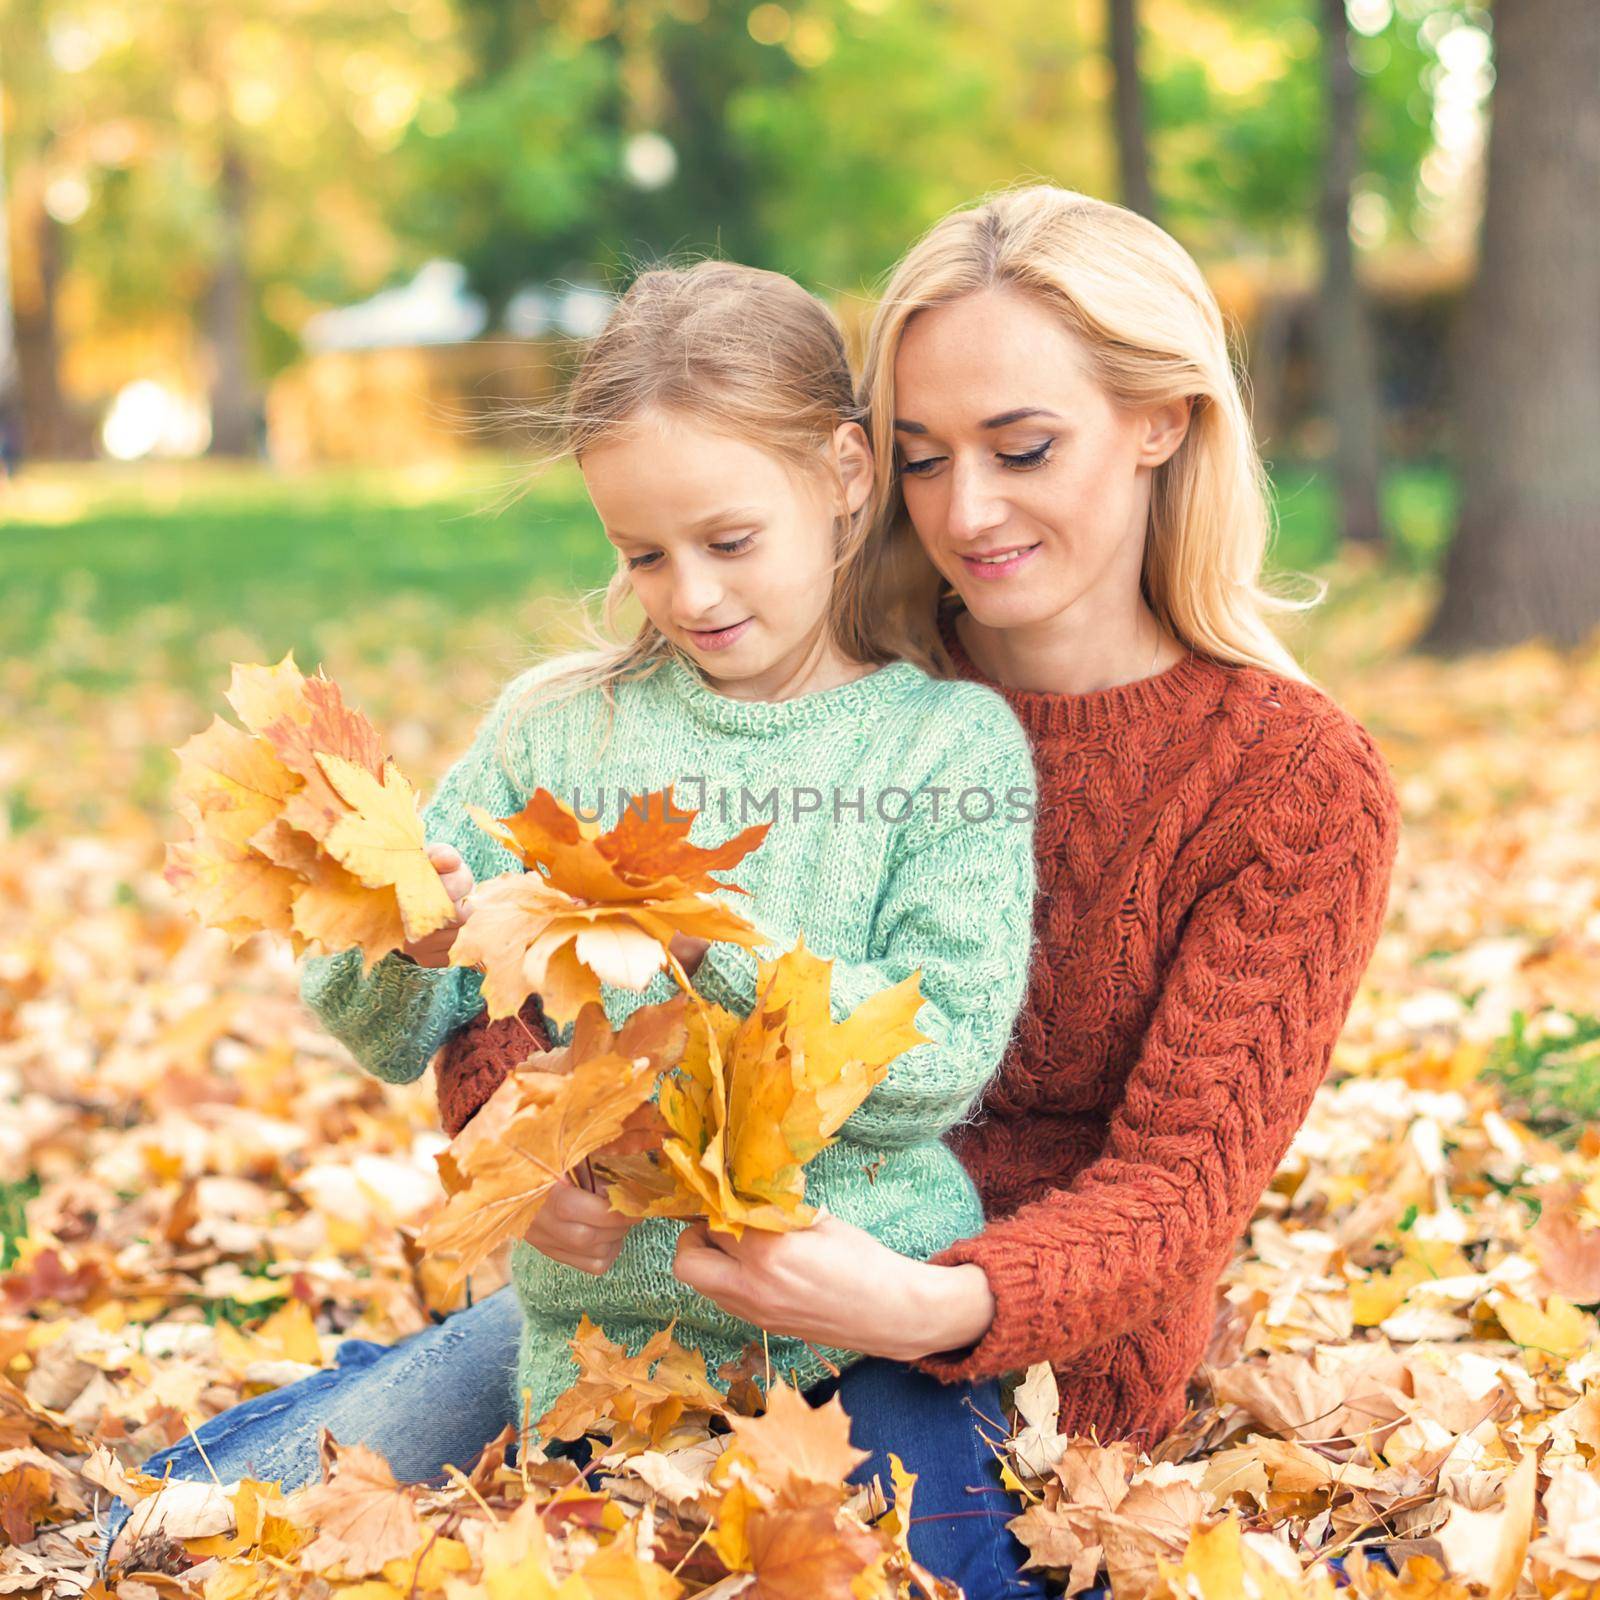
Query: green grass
(14,1198)
(1549,1078)
(167,557)
(107,570)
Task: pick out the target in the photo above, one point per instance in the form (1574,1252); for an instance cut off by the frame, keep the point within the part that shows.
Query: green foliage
(1550,1076)
(14,1198)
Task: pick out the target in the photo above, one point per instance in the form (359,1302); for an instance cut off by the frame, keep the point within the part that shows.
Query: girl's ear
(852,452)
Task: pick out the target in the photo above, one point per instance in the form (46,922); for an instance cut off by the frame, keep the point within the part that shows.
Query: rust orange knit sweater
(1214,851)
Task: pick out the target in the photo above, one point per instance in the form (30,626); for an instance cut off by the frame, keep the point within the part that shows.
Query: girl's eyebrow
(726,519)
(733,517)
(1004,420)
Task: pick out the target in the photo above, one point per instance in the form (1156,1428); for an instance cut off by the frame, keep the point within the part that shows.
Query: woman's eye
(1029,458)
(920,469)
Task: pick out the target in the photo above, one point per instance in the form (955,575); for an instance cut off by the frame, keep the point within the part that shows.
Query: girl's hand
(579,1229)
(689,950)
(456,876)
(835,1284)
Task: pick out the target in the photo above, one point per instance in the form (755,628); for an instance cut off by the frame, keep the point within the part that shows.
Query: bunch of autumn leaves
(301,826)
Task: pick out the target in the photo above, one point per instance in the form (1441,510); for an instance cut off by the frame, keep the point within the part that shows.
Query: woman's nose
(974,508)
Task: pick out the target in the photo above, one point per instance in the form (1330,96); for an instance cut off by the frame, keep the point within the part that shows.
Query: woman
(1062,442)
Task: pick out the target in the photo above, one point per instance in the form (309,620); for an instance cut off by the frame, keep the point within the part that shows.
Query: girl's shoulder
(953,729)
(963,702)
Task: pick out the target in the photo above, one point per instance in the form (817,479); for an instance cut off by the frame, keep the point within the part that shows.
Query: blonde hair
(749,354)
(1154,333)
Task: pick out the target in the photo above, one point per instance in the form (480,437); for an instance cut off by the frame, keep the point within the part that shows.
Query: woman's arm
(956,903)
(1238,1044)
(393,1018)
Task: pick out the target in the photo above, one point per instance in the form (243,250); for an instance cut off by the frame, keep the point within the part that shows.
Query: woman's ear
(1166,427)
(852,452)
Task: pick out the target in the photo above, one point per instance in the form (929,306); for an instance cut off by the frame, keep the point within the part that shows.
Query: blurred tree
(1526,556)
(1127,101)
(583,137)
(34,193)
(1344,331)
(214,170)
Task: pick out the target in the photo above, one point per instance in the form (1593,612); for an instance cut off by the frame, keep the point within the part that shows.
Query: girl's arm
(394,1018)
(957,902)
(1237,1046)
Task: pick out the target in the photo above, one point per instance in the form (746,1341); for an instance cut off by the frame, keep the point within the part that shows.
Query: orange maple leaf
(551,1114)
(638,1400)
(595,907)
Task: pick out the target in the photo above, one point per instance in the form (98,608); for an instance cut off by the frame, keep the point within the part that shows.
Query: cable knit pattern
(877,854)
(1214,854)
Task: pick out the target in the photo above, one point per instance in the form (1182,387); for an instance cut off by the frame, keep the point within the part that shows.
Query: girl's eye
(1029,458)
(640,561)
(732,547)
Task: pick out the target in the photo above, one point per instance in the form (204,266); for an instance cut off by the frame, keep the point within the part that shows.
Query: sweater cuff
(726,976)
(1007,1346)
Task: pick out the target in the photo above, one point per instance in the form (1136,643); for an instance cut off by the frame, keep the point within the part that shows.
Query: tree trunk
(1526,556)
(227,321)
(1344,333)
(49,428)
(1133,156)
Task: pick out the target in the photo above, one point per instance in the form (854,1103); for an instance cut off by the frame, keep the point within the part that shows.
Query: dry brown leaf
(361,1516)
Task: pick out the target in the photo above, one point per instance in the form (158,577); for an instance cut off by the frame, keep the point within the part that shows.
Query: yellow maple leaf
(381,842)
(1558,1330)
(262,805)
(755,1098)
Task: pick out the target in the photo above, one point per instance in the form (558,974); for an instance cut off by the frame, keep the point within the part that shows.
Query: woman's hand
(456,876)
(579,1229)
(835,1284)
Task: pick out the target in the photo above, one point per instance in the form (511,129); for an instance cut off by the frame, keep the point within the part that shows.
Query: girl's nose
(696,595)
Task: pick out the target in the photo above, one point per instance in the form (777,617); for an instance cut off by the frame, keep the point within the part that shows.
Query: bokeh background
(275,272)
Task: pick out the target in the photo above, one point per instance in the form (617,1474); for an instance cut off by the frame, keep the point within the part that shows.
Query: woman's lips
(718,638)
(1014,561)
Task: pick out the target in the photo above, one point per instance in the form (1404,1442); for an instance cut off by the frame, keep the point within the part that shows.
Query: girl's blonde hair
(749,354)
(1154,333)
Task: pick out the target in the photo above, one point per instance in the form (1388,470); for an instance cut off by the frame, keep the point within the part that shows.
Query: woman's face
(729,549)
(1029,487)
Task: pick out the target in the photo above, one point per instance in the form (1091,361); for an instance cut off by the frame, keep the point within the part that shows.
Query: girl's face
(1029,487)
(730,550)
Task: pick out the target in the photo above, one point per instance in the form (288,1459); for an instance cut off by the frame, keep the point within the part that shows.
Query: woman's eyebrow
(1004,420)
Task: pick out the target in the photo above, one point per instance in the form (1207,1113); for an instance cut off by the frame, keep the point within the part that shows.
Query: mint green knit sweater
(902,839)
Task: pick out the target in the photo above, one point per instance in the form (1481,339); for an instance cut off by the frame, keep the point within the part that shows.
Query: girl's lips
(719,638)
(991,570)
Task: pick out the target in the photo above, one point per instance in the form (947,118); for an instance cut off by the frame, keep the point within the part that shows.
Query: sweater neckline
(1043,711)
(883,687)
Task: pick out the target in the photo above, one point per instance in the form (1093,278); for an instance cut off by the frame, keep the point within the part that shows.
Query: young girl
(715,427)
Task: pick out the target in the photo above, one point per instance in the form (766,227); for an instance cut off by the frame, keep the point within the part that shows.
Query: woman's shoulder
(1300,751)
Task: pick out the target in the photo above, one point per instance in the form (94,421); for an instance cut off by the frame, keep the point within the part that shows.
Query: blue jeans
(438,1396)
